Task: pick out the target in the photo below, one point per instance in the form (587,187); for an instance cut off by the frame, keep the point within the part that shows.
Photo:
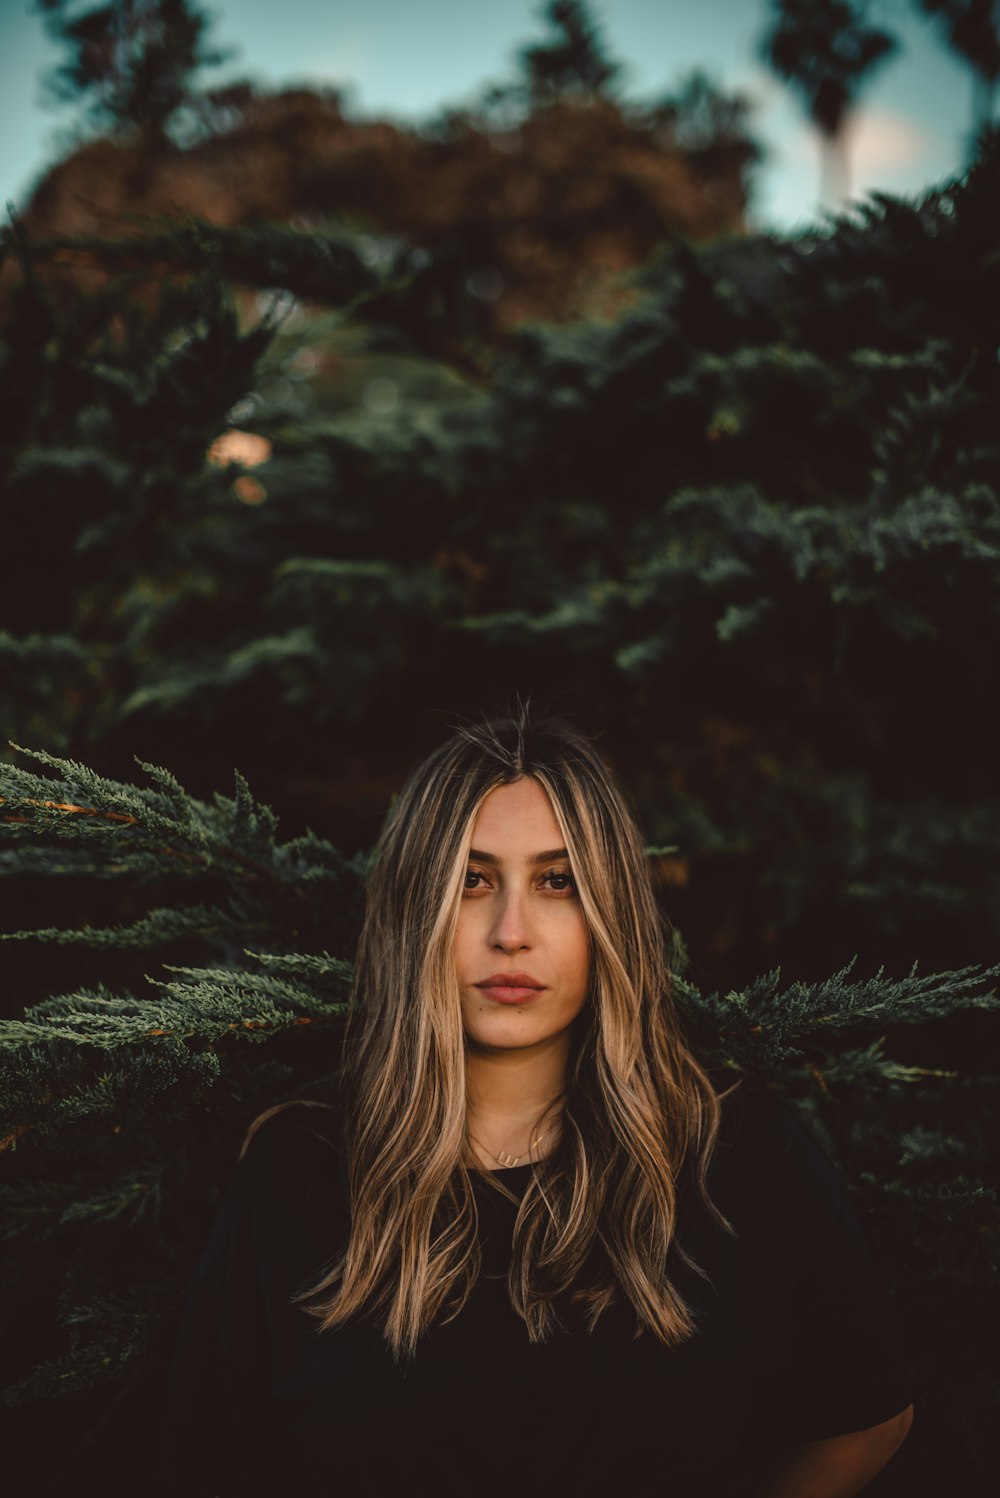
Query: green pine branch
(164,830)
(774,1030)
(43,1209)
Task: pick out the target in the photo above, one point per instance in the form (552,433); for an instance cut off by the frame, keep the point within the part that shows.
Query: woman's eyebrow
(480,857)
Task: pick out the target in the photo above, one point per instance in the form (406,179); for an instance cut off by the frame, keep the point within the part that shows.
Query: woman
(530,1245)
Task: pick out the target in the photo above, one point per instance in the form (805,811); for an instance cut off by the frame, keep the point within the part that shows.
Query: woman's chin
(509,1033)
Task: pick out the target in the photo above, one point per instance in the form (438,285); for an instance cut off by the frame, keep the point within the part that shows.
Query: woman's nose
(511,927)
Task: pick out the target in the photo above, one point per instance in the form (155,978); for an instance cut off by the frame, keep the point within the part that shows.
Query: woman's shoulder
(290,1149)
(757,1114)
(766,1144)
(285,1126)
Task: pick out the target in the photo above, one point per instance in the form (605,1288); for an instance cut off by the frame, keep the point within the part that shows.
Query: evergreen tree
(824,49)
(711,126)
(573,64)
(972,28)
(131,63)
(702,115)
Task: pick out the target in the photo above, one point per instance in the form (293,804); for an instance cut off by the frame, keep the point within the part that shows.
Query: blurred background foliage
(320,433)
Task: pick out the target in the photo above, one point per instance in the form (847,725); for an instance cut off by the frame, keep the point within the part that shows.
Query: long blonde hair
(599,1214)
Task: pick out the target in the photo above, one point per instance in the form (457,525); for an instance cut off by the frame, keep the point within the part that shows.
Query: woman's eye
(560,881)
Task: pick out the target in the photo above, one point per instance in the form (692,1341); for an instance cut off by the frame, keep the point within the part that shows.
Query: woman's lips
(511,986)
(502,994)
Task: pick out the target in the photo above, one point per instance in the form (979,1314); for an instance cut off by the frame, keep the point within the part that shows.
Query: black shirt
(794,1344)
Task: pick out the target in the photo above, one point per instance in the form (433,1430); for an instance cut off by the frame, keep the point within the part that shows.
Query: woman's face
(520,919)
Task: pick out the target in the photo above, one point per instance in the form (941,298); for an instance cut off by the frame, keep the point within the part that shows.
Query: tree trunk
(834,173)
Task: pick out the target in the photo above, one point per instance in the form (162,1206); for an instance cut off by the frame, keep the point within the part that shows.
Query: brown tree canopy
(546,212)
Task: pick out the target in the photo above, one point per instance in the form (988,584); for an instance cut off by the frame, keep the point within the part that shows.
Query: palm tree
(824,48)
(972,28)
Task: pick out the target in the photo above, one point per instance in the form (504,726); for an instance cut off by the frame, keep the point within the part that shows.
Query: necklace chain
(503,1159)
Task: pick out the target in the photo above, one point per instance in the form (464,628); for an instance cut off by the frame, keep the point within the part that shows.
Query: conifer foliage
(130,62)
(747,530)
(573,62)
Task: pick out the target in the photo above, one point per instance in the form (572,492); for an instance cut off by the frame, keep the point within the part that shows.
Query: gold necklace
(503,1159)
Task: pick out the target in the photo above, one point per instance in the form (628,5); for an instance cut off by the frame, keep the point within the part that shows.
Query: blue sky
(406,60)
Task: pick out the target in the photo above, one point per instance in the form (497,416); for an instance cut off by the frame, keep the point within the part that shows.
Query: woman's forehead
(517,819)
